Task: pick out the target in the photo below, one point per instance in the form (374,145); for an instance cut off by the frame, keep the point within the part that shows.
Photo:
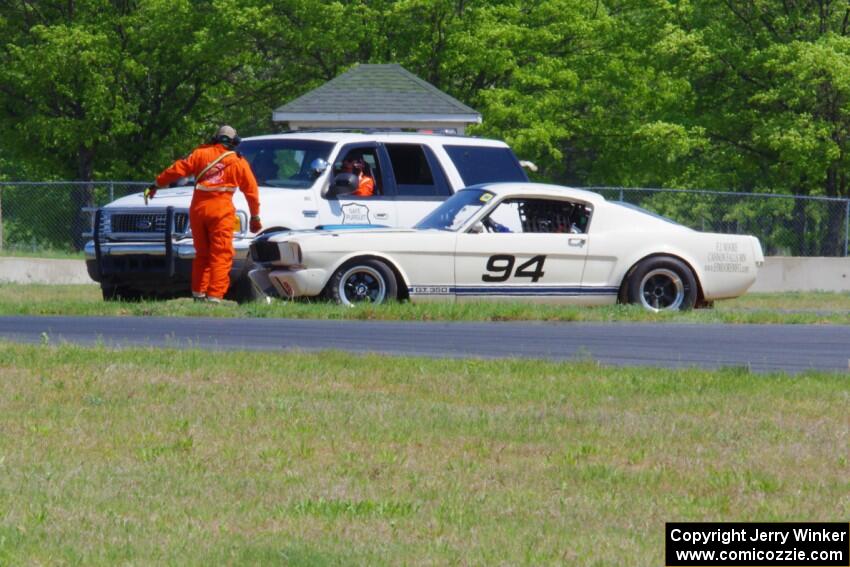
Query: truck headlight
(240,223)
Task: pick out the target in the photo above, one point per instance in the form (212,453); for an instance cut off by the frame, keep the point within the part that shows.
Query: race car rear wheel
(363,281)
(662,283)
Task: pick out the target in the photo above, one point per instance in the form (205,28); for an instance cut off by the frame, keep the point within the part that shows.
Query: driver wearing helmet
(354,163)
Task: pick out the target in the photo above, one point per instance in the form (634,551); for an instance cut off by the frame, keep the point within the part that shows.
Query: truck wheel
(112,292)
(363,281)
(243,291)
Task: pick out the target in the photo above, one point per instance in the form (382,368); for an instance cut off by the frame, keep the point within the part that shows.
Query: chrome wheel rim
(662,290)
(362,284)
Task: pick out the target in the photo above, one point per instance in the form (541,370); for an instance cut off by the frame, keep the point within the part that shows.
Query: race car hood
(305,235)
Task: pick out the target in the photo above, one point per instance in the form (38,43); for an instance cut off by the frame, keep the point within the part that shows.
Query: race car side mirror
(343,183)
(477,228)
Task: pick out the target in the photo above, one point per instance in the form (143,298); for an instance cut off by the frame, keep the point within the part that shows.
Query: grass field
(198,458)
(794,308)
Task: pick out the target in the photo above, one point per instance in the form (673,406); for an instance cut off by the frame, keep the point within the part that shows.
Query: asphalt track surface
(790,348)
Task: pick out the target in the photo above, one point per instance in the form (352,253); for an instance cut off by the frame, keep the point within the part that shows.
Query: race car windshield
(284,163)
(456,210)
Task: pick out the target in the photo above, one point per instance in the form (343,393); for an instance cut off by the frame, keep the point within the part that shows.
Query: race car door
(533,248)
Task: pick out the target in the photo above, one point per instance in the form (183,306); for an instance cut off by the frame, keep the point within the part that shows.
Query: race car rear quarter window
(478,164)
(284,163)
(645,211)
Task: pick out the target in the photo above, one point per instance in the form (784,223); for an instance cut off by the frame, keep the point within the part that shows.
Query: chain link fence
(49,217)
(40,218)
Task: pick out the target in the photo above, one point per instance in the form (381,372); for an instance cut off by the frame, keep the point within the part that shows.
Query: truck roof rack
(366,130)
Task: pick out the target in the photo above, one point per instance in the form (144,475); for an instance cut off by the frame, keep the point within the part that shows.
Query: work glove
(256,225)
(150,192)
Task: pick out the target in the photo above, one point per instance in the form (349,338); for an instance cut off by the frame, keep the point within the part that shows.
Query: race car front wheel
(662,283)
(363,281)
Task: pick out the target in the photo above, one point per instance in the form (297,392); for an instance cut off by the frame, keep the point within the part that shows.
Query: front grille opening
(265,251)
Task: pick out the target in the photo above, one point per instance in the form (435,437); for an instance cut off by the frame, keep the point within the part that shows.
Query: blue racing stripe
(511,290)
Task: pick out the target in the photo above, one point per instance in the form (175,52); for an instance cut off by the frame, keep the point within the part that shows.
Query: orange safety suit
(365,186)
(212,215)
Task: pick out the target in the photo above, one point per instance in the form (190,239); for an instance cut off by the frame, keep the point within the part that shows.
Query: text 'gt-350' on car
(514,241)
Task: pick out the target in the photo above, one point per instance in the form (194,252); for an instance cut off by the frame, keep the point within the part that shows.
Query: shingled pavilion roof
(377,96)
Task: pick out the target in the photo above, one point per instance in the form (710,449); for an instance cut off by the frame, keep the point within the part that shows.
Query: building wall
(790,273)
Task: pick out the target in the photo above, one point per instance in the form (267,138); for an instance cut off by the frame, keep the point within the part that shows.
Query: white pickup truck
(140,250)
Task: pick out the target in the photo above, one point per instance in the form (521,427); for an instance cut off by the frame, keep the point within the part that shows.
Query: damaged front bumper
(287,283)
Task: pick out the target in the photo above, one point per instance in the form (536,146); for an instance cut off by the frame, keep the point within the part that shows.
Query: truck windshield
(284,163)
(455,211)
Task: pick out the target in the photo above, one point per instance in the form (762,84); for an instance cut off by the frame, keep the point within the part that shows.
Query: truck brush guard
(148,223)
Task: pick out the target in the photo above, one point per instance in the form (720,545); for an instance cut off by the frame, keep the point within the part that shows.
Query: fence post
(1,217)
(621,194)
(111,191)
(846,225)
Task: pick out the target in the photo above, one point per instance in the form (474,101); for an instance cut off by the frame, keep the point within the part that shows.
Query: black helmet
(227,136)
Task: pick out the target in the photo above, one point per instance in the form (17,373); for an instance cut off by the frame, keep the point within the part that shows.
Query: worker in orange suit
(365,183)
(218,170)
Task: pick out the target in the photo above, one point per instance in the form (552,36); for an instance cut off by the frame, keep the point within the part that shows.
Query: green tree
(95,88)
(768,88)
(568,83)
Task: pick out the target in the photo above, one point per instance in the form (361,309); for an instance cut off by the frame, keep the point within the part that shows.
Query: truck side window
(478,164)
(414,175)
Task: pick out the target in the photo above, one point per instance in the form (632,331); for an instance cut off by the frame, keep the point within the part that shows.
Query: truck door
(380,208)
(418,179)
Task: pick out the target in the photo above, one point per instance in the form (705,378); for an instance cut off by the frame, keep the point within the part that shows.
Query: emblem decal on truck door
(355,213)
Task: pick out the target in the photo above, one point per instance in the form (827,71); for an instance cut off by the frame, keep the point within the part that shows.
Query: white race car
(514,241)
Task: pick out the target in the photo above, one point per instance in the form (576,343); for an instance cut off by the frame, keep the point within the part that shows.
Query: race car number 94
(501,266)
